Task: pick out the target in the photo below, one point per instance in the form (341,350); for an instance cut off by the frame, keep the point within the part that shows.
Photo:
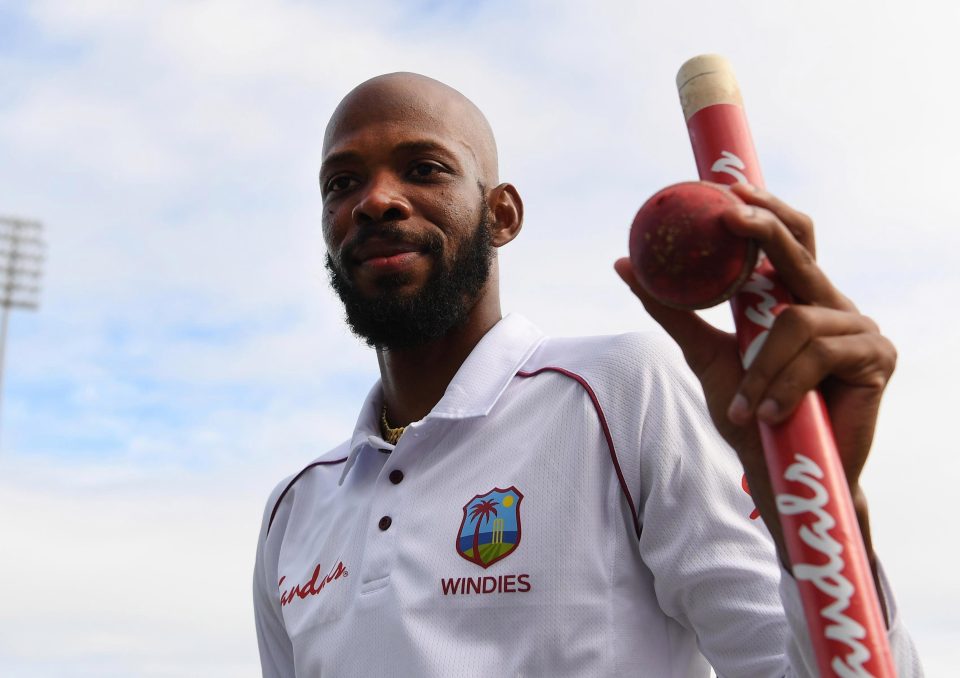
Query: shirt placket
(388,516)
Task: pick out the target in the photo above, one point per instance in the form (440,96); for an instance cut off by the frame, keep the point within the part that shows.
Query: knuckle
(870,325)
(786,385)
(787,390)
(797,320)
(772,220)
(802,224)
(754,381)
(822,351)
(877,365)
(876,380)
(880,360)
(893,357)
(802,233)
(889,353)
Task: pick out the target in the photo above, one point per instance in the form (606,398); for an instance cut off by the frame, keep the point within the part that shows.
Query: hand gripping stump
(819,524)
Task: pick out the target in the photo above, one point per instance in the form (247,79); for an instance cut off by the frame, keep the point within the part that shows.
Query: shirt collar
(474,389)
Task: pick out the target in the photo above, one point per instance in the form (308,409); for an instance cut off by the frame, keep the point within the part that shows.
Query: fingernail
(768,410)
(749,187)
(739,410)
(747,211)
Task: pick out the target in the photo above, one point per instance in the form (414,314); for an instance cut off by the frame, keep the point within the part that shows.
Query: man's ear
(506,210)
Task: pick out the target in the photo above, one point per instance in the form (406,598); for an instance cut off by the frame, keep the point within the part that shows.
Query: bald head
(420,104)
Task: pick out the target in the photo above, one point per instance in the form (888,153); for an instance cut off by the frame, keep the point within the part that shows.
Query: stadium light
(21,267)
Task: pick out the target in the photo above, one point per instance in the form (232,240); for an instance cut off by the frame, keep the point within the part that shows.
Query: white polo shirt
(566,509)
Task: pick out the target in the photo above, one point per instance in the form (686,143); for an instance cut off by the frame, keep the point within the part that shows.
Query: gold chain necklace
(391,435)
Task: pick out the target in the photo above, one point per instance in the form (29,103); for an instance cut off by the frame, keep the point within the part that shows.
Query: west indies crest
(490,530)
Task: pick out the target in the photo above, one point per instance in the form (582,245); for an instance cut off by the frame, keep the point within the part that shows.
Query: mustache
(389,232)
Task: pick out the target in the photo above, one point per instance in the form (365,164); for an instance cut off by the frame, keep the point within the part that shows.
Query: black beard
(394,321)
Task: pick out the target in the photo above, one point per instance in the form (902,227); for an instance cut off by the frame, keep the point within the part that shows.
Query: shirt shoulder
(323,472)
(597,350)
(649,403)
(635,369)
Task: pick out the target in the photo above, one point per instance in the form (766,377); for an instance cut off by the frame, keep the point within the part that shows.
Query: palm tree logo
(481,513)
(490,529)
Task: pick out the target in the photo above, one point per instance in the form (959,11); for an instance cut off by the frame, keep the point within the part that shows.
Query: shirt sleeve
(276,650)
(800,651)
(715,570)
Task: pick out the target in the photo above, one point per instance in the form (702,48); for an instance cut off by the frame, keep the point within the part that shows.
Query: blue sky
(188,355)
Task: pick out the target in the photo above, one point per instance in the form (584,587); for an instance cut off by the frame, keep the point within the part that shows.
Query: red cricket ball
(681,252)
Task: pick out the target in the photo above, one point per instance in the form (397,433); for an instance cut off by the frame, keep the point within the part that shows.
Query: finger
(850,358)
(791,333)
(793,262)
(851,352)
(799,224)
(696,337)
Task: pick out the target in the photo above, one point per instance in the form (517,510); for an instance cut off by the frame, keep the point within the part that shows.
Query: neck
(414,379)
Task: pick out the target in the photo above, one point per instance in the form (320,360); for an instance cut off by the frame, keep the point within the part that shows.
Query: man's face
(404,219)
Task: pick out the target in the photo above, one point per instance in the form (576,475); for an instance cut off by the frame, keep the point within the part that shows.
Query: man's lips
(382,255)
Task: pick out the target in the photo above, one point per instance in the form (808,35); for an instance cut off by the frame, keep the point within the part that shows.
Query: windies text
(505,583)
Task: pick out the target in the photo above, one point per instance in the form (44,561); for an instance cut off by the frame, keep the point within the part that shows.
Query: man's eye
(339,183)
(422,170)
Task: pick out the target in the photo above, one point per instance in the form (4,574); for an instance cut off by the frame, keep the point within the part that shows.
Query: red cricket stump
(819,524)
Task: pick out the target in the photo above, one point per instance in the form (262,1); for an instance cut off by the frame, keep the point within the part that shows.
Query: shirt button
(385,523)
(396,476)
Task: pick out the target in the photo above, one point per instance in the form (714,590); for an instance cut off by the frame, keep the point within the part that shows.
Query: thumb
(697,338)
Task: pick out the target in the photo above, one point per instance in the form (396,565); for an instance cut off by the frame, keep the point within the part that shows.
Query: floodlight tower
(21,259)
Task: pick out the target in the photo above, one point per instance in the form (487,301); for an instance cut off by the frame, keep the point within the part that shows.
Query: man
(510,504)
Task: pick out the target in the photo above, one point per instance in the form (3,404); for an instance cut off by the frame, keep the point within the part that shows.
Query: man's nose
(382,200)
